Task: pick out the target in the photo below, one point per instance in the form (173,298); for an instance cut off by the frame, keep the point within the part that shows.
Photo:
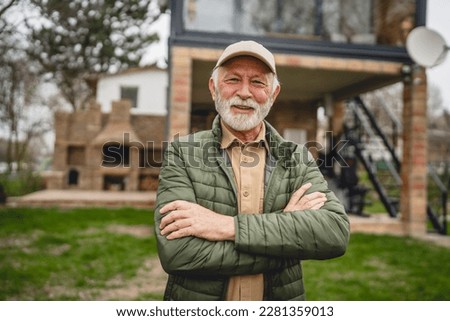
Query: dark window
(113,183)
(131,94)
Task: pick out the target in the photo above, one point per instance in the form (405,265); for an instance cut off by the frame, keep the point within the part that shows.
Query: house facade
(116,142)
(327,52)
(145,87)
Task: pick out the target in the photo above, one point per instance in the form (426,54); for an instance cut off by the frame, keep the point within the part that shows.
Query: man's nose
(244,90)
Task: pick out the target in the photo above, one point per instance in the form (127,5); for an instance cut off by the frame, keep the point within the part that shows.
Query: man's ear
(212,88)
(276,92)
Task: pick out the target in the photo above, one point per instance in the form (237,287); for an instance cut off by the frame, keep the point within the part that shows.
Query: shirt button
(246,193)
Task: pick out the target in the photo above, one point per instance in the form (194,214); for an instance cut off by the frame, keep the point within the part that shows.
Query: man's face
(243,94)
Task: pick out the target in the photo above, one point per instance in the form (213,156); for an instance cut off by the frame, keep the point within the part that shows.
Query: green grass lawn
(50,254)
(110,254)
(381,268)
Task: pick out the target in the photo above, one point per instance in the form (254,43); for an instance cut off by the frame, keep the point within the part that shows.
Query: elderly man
(238,207)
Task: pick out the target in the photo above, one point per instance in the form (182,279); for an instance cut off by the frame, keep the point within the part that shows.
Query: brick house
(327,51)
(115,143)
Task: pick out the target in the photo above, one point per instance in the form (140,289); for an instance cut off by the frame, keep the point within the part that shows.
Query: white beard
(242,122)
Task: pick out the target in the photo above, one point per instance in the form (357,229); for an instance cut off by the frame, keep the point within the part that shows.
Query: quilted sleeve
(307,234)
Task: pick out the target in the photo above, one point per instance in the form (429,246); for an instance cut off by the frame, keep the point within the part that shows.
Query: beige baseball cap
(248,48)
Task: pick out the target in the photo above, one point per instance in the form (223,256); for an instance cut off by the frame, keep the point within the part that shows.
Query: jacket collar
(278,147)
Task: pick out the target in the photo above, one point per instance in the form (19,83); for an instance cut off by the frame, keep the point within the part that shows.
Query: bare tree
(19,80)
(435,104)
(18,95)
(390,97)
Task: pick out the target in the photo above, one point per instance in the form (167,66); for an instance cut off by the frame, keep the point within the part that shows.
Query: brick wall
(414,164)
(294,115)
(180,95)
(80,137)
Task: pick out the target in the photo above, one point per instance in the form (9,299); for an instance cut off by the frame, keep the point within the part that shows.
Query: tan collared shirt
(248,162)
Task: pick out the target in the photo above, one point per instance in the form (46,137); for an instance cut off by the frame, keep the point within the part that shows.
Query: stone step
(77,198)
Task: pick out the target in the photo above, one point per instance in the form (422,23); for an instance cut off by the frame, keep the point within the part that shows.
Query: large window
(346,21)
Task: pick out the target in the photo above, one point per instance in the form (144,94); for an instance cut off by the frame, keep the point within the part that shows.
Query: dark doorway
(73,177)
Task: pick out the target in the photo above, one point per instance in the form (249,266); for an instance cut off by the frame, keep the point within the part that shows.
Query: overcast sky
(438,19)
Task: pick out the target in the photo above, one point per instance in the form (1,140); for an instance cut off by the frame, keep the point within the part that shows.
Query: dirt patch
(150,281)
(59,250)
(140,231)
(20,241)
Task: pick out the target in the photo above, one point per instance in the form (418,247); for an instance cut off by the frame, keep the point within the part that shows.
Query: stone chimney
(118,129)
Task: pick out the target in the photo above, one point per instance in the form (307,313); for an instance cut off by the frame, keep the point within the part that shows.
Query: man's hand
(190,219)
(299,201)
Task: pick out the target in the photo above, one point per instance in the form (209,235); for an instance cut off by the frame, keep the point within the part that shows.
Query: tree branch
(6,7)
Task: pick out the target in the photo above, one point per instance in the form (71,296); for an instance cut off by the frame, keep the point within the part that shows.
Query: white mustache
(248,103)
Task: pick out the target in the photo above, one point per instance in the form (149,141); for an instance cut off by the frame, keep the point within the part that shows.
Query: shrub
(21,183)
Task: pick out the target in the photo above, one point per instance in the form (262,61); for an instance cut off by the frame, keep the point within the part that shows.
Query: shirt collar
(229,138)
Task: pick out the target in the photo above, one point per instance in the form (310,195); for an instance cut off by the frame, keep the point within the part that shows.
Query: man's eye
(232,80)
(258,83)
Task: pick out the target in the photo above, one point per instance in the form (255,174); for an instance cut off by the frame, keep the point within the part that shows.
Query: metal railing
(365,131)
(362,132)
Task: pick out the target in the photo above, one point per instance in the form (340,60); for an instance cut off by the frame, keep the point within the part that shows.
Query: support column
(414,160)
(337,118)
(180,94)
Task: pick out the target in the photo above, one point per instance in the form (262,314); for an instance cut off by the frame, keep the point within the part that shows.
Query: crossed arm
(182,218)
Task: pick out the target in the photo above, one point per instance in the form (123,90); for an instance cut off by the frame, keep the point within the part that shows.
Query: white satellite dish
(426,47)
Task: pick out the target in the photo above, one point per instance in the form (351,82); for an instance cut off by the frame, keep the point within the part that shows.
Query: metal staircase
(376,151)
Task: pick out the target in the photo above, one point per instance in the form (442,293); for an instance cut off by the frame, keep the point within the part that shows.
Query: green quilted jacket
(196,169)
